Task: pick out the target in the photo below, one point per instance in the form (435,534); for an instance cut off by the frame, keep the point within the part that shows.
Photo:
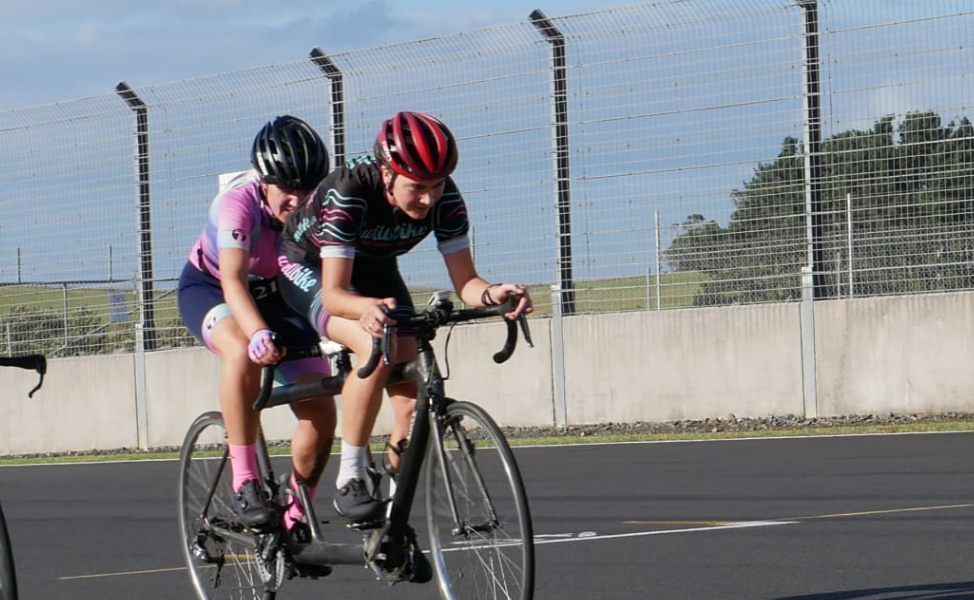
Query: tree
(911,187)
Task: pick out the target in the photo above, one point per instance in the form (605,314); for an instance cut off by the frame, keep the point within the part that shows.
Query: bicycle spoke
(479,524)
(225,562)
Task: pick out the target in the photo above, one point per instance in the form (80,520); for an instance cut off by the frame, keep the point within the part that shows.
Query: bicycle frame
(431,396)
(431,402)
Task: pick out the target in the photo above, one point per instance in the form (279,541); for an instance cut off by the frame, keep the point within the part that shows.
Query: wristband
(261,341)
(485,298)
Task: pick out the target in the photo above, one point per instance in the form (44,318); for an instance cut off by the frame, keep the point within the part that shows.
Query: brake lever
(522,320)
(386,337)
(381,347)
(386,344)
(40,382)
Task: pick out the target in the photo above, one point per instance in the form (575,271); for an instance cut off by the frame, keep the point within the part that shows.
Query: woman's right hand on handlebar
(499,293)
(376,316)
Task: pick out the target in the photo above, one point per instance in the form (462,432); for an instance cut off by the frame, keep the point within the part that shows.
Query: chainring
(271,561)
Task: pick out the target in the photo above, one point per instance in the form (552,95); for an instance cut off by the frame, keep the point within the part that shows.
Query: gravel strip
(730,423)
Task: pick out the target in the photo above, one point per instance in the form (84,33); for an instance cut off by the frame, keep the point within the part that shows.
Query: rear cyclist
(229,299)
(338,267)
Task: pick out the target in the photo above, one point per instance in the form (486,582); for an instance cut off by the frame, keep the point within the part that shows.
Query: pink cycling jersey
(239,218)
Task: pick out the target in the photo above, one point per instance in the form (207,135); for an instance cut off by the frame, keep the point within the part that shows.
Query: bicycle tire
(222,558)
(488,551)
(8,576)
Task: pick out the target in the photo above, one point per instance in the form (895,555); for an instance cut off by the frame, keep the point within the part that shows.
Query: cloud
(64,49)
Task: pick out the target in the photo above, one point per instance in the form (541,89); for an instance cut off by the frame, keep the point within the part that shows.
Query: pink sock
(243,463)
(295,512)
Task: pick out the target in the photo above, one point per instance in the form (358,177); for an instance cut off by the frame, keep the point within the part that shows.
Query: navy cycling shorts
(202,306)
(300,284)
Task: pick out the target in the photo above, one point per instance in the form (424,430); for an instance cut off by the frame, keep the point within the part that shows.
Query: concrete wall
(687,364)
(907,354)
(85,404)
(910,354)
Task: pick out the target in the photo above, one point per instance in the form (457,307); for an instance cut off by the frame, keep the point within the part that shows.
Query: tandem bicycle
(478,523)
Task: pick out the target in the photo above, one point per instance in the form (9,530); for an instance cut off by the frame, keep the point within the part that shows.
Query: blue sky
(56,50)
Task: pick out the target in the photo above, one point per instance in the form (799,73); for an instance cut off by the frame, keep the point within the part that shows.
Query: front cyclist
(338,267)
(229,299)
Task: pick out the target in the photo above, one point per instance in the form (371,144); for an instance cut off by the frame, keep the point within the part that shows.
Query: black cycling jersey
(349,215)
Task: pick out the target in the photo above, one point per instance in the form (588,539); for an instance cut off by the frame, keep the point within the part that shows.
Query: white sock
(352,464)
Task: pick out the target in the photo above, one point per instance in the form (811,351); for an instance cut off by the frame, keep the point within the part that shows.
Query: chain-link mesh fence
(652,156)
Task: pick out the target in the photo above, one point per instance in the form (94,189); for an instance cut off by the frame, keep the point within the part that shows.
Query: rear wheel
(8,578)
(481,539)
(224,560)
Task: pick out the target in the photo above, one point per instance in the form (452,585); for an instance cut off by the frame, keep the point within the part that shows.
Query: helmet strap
(276,224)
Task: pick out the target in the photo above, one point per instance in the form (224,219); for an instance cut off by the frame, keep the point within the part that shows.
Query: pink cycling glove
(261,342)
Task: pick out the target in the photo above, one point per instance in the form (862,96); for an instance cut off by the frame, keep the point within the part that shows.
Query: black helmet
(289,153)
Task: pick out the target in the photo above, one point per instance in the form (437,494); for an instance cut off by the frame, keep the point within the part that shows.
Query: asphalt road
(840,518)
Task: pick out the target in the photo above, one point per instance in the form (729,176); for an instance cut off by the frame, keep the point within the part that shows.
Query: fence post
(64,313)
(334,75)
(812,120)
(145,213)
(145,329)
(659,264)
(848,217)
(809,364)
(558,360)
(566,285)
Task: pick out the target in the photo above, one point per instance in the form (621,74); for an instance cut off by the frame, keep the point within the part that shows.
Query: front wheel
(224,560)
(8,578)
(481,539)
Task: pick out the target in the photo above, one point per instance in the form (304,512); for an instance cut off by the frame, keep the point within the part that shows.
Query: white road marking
(588,535)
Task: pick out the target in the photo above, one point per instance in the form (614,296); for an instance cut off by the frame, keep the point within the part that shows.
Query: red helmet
(416,145)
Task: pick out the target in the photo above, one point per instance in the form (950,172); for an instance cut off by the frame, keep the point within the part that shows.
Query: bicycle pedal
(201,553)
(366,525)
(268,529)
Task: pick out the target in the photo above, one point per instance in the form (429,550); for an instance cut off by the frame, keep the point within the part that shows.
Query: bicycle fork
(466,449)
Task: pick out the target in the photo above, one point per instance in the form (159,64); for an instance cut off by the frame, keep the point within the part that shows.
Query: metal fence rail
(652,156)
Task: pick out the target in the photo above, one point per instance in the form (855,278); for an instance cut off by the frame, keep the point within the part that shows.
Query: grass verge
(570,436)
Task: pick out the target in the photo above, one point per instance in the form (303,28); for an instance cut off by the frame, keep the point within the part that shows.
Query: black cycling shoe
(354,502)
(298,537)
(253,508)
